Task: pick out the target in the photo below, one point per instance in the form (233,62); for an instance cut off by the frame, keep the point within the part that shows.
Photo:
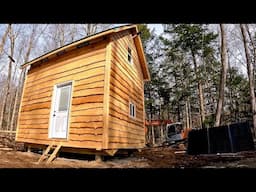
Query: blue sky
(158,28)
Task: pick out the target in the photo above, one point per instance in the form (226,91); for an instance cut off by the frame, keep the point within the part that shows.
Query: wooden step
(43,157)
(50,156)
(53,155)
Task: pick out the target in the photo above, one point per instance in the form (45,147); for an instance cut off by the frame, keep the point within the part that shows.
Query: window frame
(132,110)
(129,55)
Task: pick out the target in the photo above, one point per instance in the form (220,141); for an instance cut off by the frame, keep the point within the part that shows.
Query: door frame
(71,82)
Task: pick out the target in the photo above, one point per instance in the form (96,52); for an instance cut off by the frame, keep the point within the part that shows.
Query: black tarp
(241,135)
(219,140)
(224,139)
(197,142)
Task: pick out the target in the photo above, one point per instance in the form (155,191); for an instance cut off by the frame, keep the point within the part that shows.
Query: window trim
(132,109)
(129,55)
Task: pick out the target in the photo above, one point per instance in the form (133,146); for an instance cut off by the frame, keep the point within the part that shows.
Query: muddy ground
(12,155)
(159,157)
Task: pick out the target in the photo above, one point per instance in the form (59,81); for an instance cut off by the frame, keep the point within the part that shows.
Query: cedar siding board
(85,67)
(103,85)
(125,86)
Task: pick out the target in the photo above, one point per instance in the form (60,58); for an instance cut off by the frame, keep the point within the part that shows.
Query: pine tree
(195,40)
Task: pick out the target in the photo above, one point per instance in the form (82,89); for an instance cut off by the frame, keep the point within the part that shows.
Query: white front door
(60,111)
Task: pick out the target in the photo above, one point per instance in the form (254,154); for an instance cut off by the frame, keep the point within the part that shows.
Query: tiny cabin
(87,96)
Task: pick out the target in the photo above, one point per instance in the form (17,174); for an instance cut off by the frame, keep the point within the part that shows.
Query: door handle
(54,115)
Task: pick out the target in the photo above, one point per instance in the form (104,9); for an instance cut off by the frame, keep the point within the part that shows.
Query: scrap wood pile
(8,140)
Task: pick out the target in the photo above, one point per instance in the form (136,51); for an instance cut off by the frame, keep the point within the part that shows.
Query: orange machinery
(174,131)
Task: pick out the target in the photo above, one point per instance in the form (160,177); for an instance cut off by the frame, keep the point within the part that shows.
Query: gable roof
(81,42)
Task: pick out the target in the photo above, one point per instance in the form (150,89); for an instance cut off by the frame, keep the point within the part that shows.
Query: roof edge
(76,43)
(82,42)
(143,58)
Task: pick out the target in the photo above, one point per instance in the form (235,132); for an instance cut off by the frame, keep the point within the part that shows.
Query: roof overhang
(142,58)
(87,40)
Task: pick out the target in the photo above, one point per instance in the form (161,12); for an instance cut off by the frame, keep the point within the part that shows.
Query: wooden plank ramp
(49,157)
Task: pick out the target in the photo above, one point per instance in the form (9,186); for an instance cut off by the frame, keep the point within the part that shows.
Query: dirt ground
(12,155)
(158,157)
(168,157)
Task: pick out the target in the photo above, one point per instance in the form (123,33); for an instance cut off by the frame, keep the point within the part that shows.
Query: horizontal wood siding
(85,67)
(126,85)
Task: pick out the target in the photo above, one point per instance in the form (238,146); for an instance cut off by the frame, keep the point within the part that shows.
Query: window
(64,98)
(129,55)
(132,110)
(171,130)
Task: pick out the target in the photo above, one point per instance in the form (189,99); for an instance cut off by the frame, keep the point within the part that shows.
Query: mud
(160,157)
(13,155)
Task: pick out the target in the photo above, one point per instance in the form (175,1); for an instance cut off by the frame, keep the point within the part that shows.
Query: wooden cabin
(87,96)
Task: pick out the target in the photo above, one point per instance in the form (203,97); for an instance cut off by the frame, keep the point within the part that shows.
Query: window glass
(129,55)
(64,97)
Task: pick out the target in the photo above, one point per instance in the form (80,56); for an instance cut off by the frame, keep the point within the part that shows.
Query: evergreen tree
(195,40)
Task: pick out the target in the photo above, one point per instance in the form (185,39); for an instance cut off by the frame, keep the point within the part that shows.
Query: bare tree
(13,121)
(4,38)
(250,75)
(253,46)
(73,32)
(33,38)
(90,29)
(8,83)
(223,75)
(61,31)
(56,36)
(3,42)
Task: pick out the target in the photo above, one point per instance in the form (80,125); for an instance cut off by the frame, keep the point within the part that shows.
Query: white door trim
(53,103)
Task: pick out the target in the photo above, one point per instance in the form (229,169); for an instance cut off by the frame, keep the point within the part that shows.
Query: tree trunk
(10,107)
(14,109)
(168,111)
(179,117)
(8,83)
(90,29)
(253,46)
(250,75)
(4,38)
(223,75)
(153,135)
(159,112)
(17,100)
(61,31)
(200,92)
(73,32)
(162,133)
(178,100)
(190,114)
(6,95)
(2,50)
(231,107)
(231,96)
(150,107)
(187,115)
